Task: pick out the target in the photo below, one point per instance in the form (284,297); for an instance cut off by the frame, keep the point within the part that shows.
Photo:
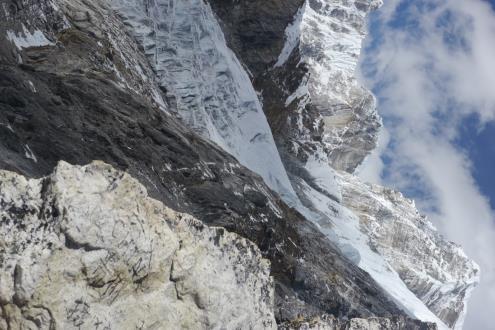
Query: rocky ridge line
(436,270)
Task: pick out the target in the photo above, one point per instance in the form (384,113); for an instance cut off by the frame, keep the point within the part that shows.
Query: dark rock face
(332,323)
(255,29)
(259,53)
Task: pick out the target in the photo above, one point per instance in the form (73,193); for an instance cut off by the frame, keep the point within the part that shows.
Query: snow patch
(341,226)
(29,154)
(28,39)
(292,36)
(323,175)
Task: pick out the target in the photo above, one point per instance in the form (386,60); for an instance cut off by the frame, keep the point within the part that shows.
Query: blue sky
(431,64)
(479,144)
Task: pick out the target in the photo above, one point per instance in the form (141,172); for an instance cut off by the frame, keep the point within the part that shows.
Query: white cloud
(372,167)
(429,77)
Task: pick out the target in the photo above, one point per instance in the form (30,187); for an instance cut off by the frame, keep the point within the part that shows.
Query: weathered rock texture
(372,323)
(86,248)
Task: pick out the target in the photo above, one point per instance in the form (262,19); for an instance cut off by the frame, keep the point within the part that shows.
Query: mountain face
(247,119)
(435,270)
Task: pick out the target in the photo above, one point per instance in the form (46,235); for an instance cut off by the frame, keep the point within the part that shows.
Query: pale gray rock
(86,248)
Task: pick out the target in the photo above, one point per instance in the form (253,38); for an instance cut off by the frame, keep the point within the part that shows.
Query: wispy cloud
(431,65)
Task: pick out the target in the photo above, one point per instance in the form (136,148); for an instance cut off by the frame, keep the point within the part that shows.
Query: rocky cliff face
(372,323)
(86,248)
(242,114)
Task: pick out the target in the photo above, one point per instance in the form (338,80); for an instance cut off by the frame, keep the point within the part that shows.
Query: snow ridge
(437,271)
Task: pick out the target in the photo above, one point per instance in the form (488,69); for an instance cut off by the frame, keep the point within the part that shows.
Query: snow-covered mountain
(436,271)
(333,124)
(328,35)
(183,94)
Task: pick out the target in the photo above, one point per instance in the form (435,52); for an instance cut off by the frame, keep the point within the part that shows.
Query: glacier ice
(212,90)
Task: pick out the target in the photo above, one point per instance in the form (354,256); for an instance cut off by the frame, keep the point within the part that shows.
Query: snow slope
(212,90)
(437,271)
(342,227)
